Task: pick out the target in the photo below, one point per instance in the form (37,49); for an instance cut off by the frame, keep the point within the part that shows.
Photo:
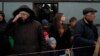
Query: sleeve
(96,33)
(9,31)
(10,28)
(78,35)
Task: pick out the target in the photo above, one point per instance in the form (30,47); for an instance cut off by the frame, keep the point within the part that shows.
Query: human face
(53,45)
(63,18)
(1,17)
(73,23)
(24,15)
(90,16)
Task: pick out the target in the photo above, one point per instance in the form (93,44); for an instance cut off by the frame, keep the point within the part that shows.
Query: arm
(9,31)
(78,35)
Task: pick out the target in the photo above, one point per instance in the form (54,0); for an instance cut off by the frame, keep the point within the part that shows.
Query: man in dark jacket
(85,34)
(26,32)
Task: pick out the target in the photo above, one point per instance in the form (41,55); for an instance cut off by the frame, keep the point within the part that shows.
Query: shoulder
(80,22)
(80,26)
(36,22)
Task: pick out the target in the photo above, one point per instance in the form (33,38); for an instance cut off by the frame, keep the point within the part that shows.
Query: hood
(26,9)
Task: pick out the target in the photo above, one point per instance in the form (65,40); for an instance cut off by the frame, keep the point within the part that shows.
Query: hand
(16,17)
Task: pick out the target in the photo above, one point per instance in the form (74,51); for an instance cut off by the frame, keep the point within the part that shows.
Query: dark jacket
(27,35)
(64,41)
(4,45)
(84,35)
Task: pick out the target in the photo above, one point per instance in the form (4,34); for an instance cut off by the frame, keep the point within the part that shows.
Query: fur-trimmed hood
(26,9)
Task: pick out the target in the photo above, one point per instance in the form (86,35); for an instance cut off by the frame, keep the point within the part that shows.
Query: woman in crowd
(60,32)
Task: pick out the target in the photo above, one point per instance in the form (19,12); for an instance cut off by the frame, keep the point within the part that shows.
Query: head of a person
(89,14)
(25,12)
(59,18)
(73,21)
(52,42)
(45,23)
(2,17)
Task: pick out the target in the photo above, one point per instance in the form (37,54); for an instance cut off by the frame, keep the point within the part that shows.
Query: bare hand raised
(16,17)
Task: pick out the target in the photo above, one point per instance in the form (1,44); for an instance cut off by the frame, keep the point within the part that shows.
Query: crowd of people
(23,34)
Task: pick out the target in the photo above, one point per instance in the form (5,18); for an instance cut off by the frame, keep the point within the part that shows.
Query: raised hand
(16,17)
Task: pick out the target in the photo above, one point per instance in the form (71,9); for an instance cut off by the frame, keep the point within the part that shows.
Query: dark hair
(56,21)
(3,15)
(72,19)
(57,18)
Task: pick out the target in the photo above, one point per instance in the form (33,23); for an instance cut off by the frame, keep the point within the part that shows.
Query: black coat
(4,44)
(63,42)
(27,37)
(84,35)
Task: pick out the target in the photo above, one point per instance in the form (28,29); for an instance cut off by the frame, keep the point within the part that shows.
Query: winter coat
(84,35)
(27,35)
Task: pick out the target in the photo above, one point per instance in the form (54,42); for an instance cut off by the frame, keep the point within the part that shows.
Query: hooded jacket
(27,35)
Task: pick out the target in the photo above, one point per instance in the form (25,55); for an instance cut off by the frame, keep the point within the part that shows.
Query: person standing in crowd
(26,32)
(45,26)
(60,32)
(85,33)
(3,40)
(72,23)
